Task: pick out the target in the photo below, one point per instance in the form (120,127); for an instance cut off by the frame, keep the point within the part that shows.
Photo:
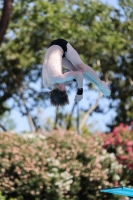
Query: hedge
(59,167)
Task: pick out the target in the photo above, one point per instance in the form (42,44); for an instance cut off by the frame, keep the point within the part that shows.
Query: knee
(80,66)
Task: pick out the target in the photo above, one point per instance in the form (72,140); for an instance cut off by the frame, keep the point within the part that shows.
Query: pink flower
(131,123)
(122,157)
(129,143)
(121,125)
(116,183)
(119,140)
(129,149)
(130,166)
(119,171)
(107,143)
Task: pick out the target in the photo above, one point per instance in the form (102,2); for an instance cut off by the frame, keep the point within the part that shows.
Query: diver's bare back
(52,69)
(53,63)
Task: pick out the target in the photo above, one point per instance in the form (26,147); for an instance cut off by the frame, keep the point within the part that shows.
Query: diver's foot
(104,89)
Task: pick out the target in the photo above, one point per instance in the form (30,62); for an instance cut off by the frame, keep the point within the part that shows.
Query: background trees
(101,34)
(5,17)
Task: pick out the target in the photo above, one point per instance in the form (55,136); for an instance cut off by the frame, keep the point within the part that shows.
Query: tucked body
(61,53)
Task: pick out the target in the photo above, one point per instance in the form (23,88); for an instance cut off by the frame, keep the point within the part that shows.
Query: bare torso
(52,65)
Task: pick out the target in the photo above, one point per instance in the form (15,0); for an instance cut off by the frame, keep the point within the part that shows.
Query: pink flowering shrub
(59,167)
(120,142)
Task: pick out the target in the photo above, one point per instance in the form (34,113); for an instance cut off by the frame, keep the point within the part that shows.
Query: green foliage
(100,33)
(58,167)
(7,122)
(4,198)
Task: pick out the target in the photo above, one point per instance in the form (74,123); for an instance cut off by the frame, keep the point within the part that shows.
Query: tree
(103,40)
(5,17)
(120,62)
(22,62)
(7,123)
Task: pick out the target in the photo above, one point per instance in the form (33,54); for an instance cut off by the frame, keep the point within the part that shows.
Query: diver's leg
(68,65)
(75,59)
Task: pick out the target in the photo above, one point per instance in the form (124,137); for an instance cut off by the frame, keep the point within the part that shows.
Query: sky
(98,120)
(111,2)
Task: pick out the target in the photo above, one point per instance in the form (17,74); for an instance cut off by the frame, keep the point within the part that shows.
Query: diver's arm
(69,76)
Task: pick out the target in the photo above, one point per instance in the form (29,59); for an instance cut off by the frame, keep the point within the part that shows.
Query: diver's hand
(78,98)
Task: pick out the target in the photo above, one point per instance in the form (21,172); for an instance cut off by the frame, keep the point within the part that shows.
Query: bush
(60,167)
(4,197)
(120,142)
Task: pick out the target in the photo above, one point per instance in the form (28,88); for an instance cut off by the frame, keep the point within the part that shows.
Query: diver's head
(58,95)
